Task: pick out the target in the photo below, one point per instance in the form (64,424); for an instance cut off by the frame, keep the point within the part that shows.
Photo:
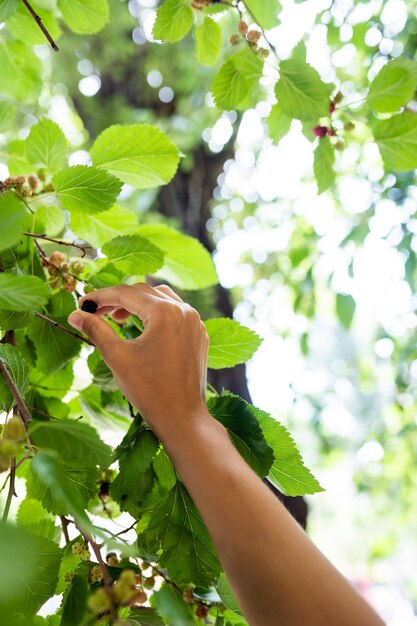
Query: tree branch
(11,492)
(21,406)
(82,247)
(64,330)
(38,20)
(108,580)
(65,523)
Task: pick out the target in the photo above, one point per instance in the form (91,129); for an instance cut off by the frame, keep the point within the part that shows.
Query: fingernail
(76,320)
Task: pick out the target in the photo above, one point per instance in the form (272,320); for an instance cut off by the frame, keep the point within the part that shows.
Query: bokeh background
(327,280)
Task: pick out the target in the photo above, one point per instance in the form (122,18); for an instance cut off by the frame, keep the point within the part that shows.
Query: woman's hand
(162,372)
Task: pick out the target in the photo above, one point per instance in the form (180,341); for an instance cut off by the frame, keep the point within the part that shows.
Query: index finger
(138,299)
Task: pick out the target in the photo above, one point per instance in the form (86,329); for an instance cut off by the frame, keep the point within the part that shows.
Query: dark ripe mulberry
(89,306)
(320,131)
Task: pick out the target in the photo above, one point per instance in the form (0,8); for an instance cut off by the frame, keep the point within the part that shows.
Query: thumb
(100,333)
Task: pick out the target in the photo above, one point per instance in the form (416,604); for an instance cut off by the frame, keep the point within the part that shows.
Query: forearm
(279,577)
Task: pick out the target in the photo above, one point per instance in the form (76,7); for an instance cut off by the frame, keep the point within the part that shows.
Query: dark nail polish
(89,306)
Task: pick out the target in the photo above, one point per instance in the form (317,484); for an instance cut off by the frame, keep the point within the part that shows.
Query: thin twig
(64,330)
(38,20)
(64,523)
(22,408)
(82,247)
(108,580)
(11,492)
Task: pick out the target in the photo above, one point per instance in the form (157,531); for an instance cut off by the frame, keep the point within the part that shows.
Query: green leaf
(393,86)
(20,72)
(20,24)
(301,92)
(19,373)
(172,607)
(134,481)
(7,115)
(12,321)
(85,16)
(61,489)
(164,470)
(288,472)
(91,402)
(86,189)
(144,616)
(49,219)
(75,603)
(265,14)
(139,154)
(7,8)
(61,347)
(29,567)
(78,443)
(46,145)
(396,138)
(176,528)
(22,293)
(187,263)
(225,592)
(134,254)
(278,123)
(230,342)
(13,217)
(345,309)
(101,227)
(208,38)
(236,79)
(247,436)
(36,520)
(16,158)
(323,164)
(174,19)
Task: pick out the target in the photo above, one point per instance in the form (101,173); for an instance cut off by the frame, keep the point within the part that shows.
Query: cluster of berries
(26,186)
(63,272)
(126,591)
(201,610)
(81,550)
(10,442)
(252,36)
(330,131)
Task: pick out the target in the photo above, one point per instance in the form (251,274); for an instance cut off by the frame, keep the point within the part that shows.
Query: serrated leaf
(300,91)
(75,603)
(243,428)
(225,592)
(174,19)
(288,472)
(13,217)
(396,138)
(29,567)
(20,24)
(278,123)
(134,480)
(323,164)
(144,616)
(49,218)
(139,154)
(176,528)
(393,86)
(345,309)
(133,254)
(78,443)
(230,342)
(22,293)
(7,8)
(86,189)
(265,14)
(208,37)
(46,145)
(187,264)
(236,79)
(101,227)
(61,347)
(172,607)
(164,470)
(85,16)
(61,489)
(19,373)
(37,520)
(7,115)
(20,72)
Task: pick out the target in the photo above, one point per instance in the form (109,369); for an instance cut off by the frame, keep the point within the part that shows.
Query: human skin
(277,574)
